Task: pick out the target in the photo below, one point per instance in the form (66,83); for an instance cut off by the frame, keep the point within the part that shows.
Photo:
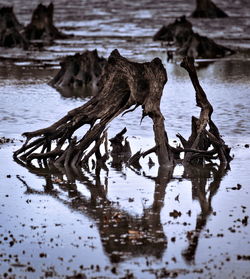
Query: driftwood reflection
(205,184)
(123,234)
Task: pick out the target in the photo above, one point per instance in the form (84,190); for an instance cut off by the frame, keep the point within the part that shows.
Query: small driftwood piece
(124,84)
(80,71)
(197,146)
(189,43)
(10,29)
(41,26)
(207,8)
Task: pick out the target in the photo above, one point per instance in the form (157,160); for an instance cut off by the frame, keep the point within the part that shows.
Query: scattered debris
(238,187)
(243,257)
(175,214)
(6,140)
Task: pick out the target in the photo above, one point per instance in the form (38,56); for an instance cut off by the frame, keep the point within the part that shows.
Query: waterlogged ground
(126,223)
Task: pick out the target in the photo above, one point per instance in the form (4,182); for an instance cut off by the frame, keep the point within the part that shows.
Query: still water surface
(126,223)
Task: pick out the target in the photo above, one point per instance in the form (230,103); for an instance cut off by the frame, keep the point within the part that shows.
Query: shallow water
(191,223)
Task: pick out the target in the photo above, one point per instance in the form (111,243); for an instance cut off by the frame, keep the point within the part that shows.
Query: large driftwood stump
(189,43)
(124,84)
(206,8)
(41,26)
(10,29)
(81,72)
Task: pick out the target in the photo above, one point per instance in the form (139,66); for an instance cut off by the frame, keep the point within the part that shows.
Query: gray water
(69,229)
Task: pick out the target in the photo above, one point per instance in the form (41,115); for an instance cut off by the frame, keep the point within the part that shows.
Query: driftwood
(80,72)
(206,8)
(189,43)
(10,29)
(41,26)
(201,139)
(124,84)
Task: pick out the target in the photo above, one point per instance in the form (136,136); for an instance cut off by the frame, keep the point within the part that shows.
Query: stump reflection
(122,234)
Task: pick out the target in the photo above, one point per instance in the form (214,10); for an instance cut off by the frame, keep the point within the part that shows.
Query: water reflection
(122,234)
(203,190)
(80,92)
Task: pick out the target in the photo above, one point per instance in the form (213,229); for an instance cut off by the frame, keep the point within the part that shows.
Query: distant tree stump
(41,26)
(177,32)
(10,29)
(206,8)
(81,71)
(189,43)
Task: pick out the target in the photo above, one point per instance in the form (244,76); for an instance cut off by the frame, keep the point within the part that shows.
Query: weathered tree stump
(10,29)
(189,43)
(81,72)
(206,8)
(202,47)
(177,32)
(41,26)
(123,84)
